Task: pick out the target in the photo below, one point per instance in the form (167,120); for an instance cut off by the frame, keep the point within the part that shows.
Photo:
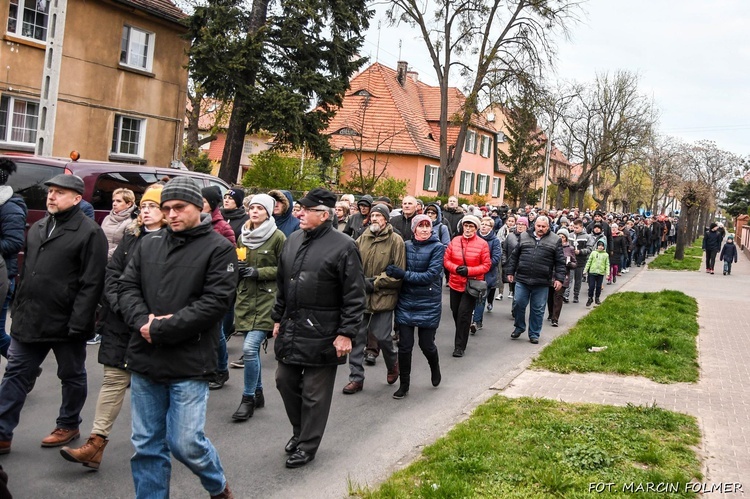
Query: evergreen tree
(737,199)
(285,67)
(525,155)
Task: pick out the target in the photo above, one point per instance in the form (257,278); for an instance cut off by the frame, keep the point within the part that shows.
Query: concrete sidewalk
(721,398)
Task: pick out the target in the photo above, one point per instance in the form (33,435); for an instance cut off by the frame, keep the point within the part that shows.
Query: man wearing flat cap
(61,282)
(176,288)
(319,307)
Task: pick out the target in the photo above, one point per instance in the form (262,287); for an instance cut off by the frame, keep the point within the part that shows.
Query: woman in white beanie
(258,251)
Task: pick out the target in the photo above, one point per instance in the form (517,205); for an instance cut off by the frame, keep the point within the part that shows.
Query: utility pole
(45,133)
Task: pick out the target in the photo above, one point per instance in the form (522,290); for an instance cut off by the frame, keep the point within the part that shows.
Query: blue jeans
(537,296)
(251,352)
(24,360)
(170,417)
(4,337)
(223,364)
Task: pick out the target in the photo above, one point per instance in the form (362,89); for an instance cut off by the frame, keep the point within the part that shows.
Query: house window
(18,120)
(346,131)
(127,137)
(485,146)
(471,141)
(496,184)
(363,93)
(247,147)
(500,137)
(483,184)
(136,48)
(431,176)
(28,18)
(466,183)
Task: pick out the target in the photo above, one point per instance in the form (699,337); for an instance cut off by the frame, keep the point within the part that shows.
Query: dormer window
(346,131)
(363,93)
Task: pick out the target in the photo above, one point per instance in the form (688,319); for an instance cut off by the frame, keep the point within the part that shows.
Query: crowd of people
(167,279)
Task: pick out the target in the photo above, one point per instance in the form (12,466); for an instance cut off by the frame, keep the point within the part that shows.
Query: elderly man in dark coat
(61,284)
(319,306)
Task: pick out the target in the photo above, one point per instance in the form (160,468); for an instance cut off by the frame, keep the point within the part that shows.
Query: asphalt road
(369,434)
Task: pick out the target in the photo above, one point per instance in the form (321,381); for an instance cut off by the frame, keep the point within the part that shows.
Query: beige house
(122,79)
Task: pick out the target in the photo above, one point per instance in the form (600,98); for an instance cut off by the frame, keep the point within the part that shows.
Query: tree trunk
(230,159)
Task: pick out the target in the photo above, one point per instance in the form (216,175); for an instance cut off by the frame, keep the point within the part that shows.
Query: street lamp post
(547,154)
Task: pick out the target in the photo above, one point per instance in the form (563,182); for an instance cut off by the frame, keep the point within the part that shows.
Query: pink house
(388,125)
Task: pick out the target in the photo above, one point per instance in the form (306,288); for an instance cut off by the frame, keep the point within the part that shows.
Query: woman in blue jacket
(487,232)
(419,301)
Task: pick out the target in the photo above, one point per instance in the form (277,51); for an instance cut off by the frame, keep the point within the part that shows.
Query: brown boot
(89,454)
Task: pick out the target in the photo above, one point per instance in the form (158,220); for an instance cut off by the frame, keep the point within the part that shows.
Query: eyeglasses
(305,208)
(150,207)
(177,208)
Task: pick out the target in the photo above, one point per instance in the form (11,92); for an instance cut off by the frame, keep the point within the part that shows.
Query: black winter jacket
(190,274)
(236,219)
(116,333)
(62,279)
(712,240)
(321,295)
(13,214)
(402,225)
(538,263)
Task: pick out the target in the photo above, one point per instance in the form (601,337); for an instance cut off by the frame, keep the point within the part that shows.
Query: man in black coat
(173,294)
(61,284)
(536,264)
(319,305)
(452,213)
(402,223)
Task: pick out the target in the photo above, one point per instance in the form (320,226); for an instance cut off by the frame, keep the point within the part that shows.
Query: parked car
(101,179)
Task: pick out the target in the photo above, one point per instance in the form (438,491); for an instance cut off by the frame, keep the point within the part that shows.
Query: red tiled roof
(160,8)
(395,118)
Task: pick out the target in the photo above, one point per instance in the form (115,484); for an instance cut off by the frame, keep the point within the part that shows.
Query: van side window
(28,181)
(107,183)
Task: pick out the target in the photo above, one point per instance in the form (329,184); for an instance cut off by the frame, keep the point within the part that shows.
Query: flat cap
(67,181)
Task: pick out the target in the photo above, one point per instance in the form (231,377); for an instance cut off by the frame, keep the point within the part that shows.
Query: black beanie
(237,194)
(212,194)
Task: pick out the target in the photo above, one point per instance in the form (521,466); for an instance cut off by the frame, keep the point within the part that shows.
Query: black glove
(249,272)
(394,271)
(369,285)
(462,270)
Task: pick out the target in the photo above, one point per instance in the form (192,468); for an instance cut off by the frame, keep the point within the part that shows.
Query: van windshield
(107,183)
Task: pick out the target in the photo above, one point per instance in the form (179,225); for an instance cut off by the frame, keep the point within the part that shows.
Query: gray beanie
(564,232)
(382,209)
(183,189)
(265,201)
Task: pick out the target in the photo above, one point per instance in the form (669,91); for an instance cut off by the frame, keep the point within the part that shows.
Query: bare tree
(504,37)
(706,171)
(371,145)
(605,126)
(201,108)
(662,165)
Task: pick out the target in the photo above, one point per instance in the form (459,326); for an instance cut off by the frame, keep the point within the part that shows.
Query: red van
(101,179)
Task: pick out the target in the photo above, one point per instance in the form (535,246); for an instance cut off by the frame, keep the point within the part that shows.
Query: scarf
(254,238)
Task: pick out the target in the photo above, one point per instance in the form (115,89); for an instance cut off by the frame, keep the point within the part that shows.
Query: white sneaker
(95,340)
(510,295)
(499,297)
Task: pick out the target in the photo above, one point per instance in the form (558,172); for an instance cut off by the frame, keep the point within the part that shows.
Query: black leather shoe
(458,352)
(299,459)
(291,445)
(515,335)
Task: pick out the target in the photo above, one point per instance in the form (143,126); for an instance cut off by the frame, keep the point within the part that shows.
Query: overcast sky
(692,56)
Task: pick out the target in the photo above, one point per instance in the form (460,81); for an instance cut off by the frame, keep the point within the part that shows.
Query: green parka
(378,251)
(255,297)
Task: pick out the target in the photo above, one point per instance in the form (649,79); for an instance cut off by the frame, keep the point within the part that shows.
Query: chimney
(401,70)
(413,75)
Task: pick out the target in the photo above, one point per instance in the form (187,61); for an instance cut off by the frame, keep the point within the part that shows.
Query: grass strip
(646,334)
(666,261)
(537,448)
